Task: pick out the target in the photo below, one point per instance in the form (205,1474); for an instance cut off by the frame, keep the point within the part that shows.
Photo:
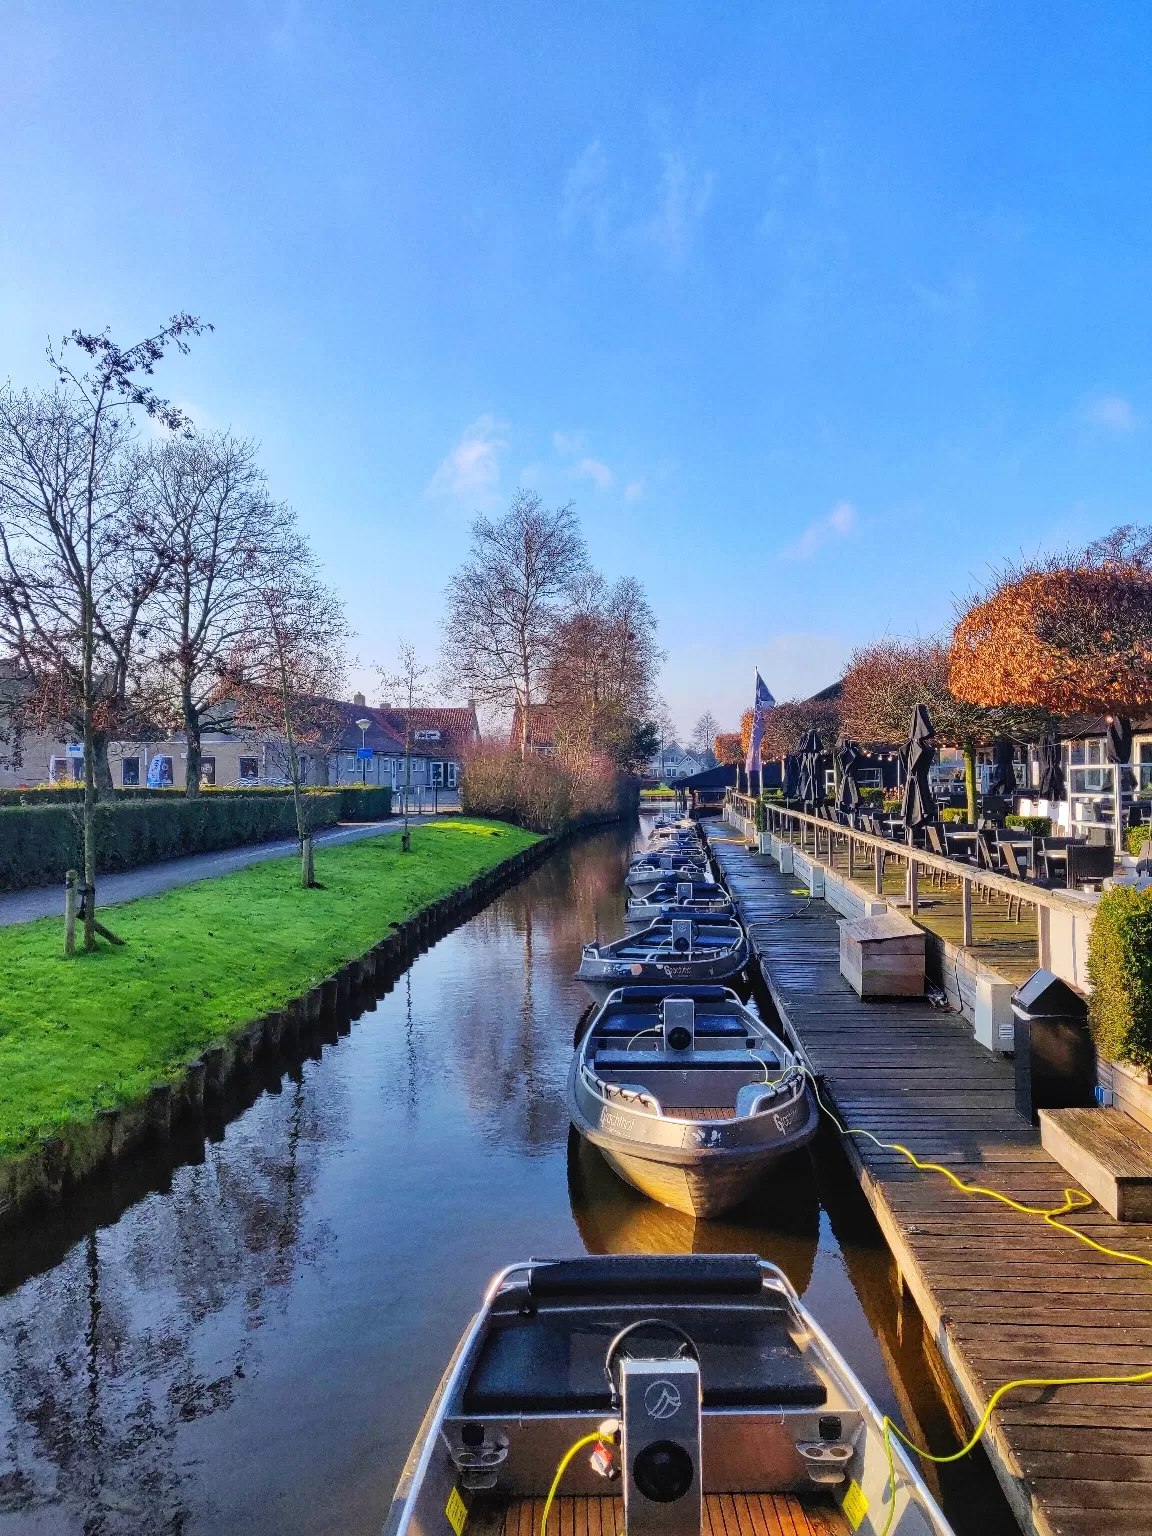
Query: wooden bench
(882,956)
(1108,1153)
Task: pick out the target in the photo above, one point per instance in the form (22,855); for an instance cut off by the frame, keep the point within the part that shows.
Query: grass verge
(96,1032)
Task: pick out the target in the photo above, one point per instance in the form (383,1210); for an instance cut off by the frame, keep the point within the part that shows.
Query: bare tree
(408,682)
(704,734)
(287,668)
(75,572)
(601,673)
(214,527)
(506,602)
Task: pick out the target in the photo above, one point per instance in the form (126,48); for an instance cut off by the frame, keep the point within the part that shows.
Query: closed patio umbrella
(791,776)
(848,754)
(1002,779)
(1051,786)
(1118,739)
(810,750)
(919,804)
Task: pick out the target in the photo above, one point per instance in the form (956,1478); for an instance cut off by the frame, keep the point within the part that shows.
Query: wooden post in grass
(307,869)
(70,880)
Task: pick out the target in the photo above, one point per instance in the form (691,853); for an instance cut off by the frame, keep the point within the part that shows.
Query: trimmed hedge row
(357,802)
(39,844)
(1120,969)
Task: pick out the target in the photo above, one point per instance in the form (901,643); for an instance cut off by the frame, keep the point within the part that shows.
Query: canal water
(241,1332)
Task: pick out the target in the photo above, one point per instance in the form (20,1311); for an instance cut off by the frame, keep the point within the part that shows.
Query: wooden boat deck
(725,1514)
(1004,1295)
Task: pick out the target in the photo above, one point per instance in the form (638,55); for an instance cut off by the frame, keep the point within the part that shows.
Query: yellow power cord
(560,1471)
(1074,1200)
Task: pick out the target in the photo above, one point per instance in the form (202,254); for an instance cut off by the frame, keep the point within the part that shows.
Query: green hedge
(954,813)
(1036,826)
(365,804)
(55,794)
(1120,970)
(1136,837)
(38,844)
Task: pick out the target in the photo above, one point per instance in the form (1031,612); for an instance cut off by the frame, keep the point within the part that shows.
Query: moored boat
(689,1095)
(653,1393)
(649,869)
(672,951)
(677,898)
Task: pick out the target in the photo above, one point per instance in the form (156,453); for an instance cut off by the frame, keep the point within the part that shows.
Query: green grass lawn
(99,1030)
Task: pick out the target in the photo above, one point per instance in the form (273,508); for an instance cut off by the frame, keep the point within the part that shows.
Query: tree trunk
(89,785)
(969,748)
(307,868)
(195,758)
(102,771)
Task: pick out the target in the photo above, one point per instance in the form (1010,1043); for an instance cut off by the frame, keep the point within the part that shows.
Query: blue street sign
(364,754)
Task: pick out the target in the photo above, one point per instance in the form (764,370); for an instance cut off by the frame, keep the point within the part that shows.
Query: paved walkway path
(151,879)
(1003,1294)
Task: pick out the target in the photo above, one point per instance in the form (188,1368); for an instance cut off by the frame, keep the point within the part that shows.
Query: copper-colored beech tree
(887,679)
(787,722)
(1065,636)
(727,747)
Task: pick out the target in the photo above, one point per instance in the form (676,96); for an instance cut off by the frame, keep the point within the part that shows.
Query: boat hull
(602,977)
(704,1191)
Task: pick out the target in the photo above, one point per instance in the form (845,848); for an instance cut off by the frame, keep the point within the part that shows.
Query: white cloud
(1113,412)
(837,525)
(568,443)
(594,197)
(598,473)
(584,195)
(684,197)
(473,466)
(634,490)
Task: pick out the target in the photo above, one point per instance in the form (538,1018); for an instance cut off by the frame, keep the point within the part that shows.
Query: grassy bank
(98,1031)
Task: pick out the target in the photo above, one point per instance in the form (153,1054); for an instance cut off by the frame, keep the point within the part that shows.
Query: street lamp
(363,754)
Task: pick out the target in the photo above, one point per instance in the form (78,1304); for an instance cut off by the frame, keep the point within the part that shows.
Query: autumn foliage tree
(1064,635)
(788,722)
(888,678)
(727,747)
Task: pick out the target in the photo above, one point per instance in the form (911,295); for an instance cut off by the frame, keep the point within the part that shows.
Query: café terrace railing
(874,852)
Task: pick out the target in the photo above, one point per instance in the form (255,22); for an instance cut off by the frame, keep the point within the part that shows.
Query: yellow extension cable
(1074,1200)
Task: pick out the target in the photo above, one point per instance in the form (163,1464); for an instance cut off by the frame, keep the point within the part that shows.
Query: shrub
(39,844)
(1036,826)
(538,792)
(1136,837)
(1120,970)
(368,803)
(954,813)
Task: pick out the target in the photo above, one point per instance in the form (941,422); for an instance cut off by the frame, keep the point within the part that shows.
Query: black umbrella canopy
(810,751)
(1119,742)
(791,776)
(848,754)
(1051,786)
(919,804)
(1002,780)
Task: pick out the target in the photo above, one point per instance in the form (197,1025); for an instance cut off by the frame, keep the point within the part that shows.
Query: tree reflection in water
(153,1323)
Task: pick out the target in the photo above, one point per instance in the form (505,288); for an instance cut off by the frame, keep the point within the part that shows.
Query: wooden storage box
(883,956)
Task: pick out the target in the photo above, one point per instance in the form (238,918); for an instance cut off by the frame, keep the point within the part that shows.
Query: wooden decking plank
(1004,1293)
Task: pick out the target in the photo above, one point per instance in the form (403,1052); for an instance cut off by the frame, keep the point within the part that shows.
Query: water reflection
(242,1331)
(782,1225)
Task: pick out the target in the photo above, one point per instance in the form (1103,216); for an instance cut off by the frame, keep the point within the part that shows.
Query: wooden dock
(1004,1295)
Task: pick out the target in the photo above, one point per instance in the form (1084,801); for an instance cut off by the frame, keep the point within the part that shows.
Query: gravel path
(151,879)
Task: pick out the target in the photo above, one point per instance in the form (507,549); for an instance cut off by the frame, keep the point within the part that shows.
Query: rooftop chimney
(358,699)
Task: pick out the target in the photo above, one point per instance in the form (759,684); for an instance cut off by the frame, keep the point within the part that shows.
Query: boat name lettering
(614,1124)
(789,1119)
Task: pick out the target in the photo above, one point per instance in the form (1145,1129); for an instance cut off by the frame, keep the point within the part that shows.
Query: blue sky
(814,309)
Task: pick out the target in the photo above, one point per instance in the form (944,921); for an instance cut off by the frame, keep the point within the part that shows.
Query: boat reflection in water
(781,1224)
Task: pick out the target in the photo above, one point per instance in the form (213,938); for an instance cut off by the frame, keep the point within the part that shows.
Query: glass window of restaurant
(1091,782)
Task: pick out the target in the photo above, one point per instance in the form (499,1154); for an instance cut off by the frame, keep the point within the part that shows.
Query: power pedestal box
(660,1447)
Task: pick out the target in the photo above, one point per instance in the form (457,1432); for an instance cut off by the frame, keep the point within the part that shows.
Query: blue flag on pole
(764,702)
